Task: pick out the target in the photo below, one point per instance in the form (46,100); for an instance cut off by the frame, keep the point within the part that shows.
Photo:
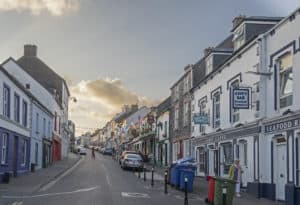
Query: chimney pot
(207,50)
(237,20)
(30,50)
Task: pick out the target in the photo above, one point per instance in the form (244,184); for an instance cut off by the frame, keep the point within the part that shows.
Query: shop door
(280,171)
(211,162)
(243,147)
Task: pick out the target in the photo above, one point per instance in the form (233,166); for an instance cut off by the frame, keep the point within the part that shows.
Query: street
(102,182)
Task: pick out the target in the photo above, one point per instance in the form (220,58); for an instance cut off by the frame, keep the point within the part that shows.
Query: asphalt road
(100,182)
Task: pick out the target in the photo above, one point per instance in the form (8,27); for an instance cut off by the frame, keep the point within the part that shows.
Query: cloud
(99,100)
(55,7)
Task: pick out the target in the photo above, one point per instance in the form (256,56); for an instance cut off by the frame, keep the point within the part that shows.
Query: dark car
(108,151)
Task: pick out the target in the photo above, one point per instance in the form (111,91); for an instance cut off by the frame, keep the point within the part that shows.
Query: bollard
(144,173)
(185,191)
(166,182)
(224,191)
(152,176)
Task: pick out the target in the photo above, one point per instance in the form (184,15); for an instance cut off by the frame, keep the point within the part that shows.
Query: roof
(257,18)
(164,106)
(123,116)
(43,74)
(20,86)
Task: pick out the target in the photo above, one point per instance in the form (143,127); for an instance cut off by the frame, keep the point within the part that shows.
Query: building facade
(15,108)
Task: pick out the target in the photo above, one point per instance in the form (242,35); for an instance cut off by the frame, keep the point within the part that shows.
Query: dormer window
(209,64)
(239,37)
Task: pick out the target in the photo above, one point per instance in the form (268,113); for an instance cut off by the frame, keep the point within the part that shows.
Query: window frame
(285,74)
(16,108)
(185,113)
(24,113)
(176,118)
(24,156)
(202,109)
(235,113)
(209,64)
(37,116)
(6,100)
(4,149)
(216,121)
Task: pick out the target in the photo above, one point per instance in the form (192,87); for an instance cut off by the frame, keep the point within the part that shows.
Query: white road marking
(50,184)
(17,203)
(51,194)
(134,195)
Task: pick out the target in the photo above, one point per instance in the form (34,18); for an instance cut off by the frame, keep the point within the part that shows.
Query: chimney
(30,50)
(237,20)
(207,51)
(188,67)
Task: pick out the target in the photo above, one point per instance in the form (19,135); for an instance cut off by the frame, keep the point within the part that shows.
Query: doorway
(15,157)
(243,157)
(281,170)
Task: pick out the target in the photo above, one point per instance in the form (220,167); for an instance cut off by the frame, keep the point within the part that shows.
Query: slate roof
(164,106)
(259,19)
(41,72)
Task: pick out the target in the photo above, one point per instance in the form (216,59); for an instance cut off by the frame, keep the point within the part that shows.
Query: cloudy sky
(115,52)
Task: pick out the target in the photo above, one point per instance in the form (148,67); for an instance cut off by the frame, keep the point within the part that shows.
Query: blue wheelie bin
(189,174)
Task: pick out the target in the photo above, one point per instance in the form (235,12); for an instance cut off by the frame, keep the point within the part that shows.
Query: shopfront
(56,149)
(216,152)
(47,152)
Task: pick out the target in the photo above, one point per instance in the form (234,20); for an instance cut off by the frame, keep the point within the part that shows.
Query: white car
(82,151)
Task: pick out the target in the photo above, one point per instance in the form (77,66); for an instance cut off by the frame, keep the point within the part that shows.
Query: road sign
(200,118)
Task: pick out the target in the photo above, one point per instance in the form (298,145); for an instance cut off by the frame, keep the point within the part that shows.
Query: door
(280,171)
(15,156)
(211,163)
(243,156)
(216,162)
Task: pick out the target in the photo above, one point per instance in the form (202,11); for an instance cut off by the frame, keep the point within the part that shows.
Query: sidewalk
(201,186)
(32,182)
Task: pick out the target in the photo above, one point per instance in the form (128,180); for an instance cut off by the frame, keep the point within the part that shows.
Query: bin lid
(185,160)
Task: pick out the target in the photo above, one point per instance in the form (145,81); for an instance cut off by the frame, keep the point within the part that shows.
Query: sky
(116,52)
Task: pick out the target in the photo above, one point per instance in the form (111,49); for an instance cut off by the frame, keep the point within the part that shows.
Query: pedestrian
(93,153)
(235,174)
(113,152)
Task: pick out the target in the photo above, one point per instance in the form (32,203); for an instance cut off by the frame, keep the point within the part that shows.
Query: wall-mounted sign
(283,125)
(200,118)
(240,98)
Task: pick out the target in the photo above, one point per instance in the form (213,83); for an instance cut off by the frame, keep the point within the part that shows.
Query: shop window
(286,80)
(227,157)
(216,110)
(202,159)
(4,148)
(24,152)
(235,114)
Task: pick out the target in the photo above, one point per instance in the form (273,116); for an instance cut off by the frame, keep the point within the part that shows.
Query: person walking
(235,174)
(93,153)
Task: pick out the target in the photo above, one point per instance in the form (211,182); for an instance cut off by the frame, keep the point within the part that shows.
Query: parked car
(82,150)
(124,153)
(101,150)
(132,161)
(108,151)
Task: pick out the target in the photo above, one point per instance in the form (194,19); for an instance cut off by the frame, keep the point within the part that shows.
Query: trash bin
(227,184)
(189,174)
(32,167)
(211,190)
(5,178)
(184,163)
(175,175)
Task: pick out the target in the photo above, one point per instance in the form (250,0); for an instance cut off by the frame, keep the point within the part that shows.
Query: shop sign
(240,98)
(288,124)
(200,118)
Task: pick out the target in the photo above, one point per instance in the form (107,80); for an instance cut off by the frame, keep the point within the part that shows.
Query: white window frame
(44,127)
(216,121)
(4,148)
(235,113)
(24,113)
(239,37)
(37,123)
(185,113)
(202,109)
(176,118)
(16,108)
(283,73)
(6,101)
(24,153)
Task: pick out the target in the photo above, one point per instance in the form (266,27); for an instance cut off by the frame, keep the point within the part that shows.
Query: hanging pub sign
(200,118)
(240,98)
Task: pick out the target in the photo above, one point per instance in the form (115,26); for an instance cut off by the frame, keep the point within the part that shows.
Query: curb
(39,187)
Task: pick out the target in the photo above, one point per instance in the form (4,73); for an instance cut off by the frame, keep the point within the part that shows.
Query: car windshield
(145,102)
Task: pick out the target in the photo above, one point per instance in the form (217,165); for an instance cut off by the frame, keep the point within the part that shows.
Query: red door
(180,154)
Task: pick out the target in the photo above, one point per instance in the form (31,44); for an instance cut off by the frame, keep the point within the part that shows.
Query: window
(24,114)
(4,148)
(216,110)
(166,128)
(44,127)
(201,159)
(286,80)
(37,123)
(36,154)
(227,157)
(24,152)
(186,113)
(176,118)
(55,121)
(6,101)
(235,114)
(202,106)
(239,37)
(209,64)
(17,108)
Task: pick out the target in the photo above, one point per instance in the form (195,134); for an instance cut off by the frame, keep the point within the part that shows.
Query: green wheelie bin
(228,185)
